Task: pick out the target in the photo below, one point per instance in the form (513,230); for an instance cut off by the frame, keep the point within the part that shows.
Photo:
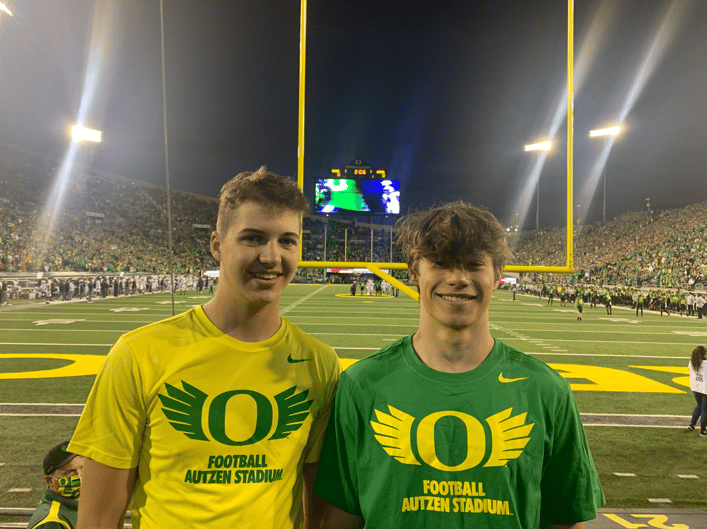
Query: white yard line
(60,344)
(357,334)
(301,300)
(608,355)
(65,330)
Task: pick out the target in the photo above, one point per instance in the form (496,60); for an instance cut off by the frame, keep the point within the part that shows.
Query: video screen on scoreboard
(343,195)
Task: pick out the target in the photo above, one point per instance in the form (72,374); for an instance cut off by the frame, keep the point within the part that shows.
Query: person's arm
(105,495)
(578,525)
(319,513)
(335,518)
(313,504)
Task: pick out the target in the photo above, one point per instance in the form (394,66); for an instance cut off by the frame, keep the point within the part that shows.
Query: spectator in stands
(59,505)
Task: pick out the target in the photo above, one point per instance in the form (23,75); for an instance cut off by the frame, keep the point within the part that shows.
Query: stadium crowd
(667,249)
(108,224)
(105,224)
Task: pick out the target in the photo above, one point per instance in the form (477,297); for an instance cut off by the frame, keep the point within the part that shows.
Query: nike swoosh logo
(293,361)
(505,380)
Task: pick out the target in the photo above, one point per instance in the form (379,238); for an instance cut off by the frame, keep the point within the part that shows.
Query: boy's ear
(497,276)
(414,276)
(215,245)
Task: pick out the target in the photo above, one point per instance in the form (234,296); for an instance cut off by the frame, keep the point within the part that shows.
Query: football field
(629,375)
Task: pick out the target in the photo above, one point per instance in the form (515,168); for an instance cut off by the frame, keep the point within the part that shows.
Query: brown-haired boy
(215,417)
(450,427)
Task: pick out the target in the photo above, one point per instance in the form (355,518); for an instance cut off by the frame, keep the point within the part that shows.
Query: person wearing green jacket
(59,505)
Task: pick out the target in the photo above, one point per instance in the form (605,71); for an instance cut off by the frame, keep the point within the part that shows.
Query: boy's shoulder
(300,336)
(384,361)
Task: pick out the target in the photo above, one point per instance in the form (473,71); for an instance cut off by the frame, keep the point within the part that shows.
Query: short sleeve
(111,426)
(319,425)
(337,480)
(570,484)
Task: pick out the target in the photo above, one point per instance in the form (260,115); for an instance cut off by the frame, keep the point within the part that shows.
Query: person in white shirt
(690,302)
(700,305)
(698,385)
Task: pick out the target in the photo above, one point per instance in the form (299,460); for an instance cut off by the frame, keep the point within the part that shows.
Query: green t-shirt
(500,446)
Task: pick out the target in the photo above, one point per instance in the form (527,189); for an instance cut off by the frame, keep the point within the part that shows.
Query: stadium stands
(110,224)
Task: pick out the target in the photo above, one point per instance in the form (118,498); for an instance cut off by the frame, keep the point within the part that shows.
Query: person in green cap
(59,505)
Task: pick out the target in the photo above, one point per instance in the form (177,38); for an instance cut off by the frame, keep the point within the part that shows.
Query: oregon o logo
(217,417)
(509,435)
(184,409)
(475,438)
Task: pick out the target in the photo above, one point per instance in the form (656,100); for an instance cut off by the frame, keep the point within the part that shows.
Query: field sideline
(629,375)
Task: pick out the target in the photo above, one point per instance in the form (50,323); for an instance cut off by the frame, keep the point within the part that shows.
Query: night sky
(442,97)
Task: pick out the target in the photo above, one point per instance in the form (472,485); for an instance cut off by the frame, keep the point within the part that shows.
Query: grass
(622,344)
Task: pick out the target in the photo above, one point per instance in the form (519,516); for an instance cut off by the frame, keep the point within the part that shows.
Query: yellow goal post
(378,268)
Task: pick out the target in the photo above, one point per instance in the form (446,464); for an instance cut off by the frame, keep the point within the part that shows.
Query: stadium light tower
(543,146)
(610,132)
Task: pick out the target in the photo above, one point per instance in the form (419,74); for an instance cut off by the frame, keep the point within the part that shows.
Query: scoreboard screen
(343,195)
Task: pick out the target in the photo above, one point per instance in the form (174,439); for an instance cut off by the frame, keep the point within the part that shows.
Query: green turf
(657,457)
(358,326)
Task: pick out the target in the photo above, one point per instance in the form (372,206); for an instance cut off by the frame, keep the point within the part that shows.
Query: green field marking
(10,365)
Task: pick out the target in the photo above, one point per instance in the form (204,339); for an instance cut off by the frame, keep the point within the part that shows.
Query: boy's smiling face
(258,252)
(457,297)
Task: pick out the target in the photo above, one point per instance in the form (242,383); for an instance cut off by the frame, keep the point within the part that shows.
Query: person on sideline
(215,417)
(698,385)
(59,504)
(579,303)
(450,427)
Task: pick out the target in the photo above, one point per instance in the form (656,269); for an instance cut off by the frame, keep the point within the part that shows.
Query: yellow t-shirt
(219,428)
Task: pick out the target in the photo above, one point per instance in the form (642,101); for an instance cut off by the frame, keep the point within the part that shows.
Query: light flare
(105,23)
(80,133)
(610,131)
(601,23)
(667,29)
(542,146)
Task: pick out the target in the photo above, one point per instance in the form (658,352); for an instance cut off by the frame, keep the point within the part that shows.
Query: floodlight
(543,146)
(80,133)
(607,133)
(611,131)
(3,7)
